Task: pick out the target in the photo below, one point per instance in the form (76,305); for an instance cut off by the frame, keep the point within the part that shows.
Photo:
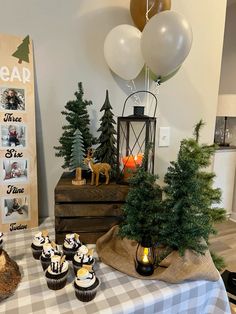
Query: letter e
(4,73)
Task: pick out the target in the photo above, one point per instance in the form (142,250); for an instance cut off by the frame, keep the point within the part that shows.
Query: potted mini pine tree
(188,215)
(106,151)
(141,212)
(78,118)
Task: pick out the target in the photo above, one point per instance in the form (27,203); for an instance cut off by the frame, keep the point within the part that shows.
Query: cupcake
(83,256)
(49,249)
(1,240)
(86,284)
(38,241)
(57,272)
(71,245)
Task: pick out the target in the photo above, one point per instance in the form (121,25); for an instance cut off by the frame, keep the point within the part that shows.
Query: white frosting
(49,251)
(39,239)
(56,267)
(70,242)
(83,250)
(86,280)
(82,256)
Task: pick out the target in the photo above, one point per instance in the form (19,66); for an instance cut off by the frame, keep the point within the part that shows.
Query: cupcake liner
(37,253)
(87,295)
(45,263)
(69,254)
(56,283)
(77,265)
(76,268)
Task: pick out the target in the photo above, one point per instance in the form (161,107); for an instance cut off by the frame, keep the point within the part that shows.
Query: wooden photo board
(18,166)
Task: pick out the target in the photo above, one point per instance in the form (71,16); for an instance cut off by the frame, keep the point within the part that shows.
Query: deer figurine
(97,168)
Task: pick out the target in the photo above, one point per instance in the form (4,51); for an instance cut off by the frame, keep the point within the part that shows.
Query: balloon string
(135,95)
(148,89)
(148,10)
(156,92)
(132,87)
(147,82)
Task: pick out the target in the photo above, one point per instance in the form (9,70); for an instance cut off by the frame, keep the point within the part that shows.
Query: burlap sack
(120,254)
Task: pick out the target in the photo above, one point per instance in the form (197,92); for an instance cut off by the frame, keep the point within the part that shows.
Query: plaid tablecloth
(118,292)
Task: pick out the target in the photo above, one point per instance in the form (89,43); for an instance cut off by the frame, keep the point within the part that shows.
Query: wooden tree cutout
(22,52)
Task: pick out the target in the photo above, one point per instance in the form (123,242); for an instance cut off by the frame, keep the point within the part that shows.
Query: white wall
(68,40)
(228,66)
(228,76)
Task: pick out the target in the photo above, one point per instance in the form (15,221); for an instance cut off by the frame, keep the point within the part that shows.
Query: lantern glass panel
(145,260)
(134,136)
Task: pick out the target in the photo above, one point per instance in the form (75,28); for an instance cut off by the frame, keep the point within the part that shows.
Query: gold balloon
(138,9)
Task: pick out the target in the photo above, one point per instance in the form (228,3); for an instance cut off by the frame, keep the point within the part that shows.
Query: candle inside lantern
(145,259)
(130,164)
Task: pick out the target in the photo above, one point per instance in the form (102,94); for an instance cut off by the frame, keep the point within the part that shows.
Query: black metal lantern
(145,259)
(136,133)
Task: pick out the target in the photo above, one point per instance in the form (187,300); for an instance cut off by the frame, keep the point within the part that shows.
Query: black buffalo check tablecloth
(118,292)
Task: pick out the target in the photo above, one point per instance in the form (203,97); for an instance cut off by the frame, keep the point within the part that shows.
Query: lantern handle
(140,91)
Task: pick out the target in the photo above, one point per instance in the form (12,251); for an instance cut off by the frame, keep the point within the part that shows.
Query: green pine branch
(78,118)
(106,151)
(188,216)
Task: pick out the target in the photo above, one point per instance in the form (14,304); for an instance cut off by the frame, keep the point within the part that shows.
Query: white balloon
(166,42)
(122,51)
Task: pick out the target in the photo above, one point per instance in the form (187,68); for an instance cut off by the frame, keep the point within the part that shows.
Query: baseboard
(233,216)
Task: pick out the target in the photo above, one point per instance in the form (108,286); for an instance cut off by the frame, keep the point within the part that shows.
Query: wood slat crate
(87,210)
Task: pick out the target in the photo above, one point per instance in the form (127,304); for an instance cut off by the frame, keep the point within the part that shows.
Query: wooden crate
(87,210)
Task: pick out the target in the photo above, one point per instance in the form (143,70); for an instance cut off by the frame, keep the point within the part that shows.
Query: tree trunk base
(79,182)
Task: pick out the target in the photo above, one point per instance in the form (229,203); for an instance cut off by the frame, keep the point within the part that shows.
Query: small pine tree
(22,52)
(77,116)
(78,151)
(188,216)
(106,151)
(141,210)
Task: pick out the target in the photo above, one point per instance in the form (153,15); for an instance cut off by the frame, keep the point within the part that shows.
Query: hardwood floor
(224,243)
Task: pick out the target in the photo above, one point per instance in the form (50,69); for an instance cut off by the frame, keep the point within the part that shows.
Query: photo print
(15,209)
(15,171)
(12,98)
(13,135)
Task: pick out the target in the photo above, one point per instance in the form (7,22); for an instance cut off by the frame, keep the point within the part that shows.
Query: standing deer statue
(97,168)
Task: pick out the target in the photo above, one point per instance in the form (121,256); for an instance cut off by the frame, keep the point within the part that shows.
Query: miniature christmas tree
(78,151)
(106,151)
(141,210)
(188,217)
(77,116)
(22,52)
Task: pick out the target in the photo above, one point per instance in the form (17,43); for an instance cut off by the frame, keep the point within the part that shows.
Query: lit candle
(130,164)
(145,259)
